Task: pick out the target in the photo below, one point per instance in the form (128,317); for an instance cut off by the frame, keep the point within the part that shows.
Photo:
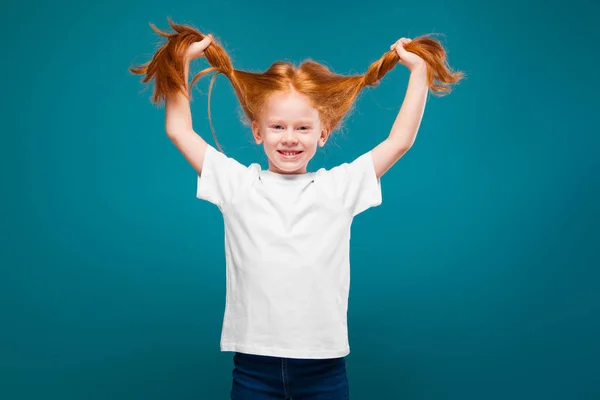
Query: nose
(289,137)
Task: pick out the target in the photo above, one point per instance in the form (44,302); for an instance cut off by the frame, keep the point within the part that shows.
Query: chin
(290,168)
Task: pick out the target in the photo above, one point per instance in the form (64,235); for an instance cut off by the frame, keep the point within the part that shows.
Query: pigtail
(166,68)
(379,68)
(439,75)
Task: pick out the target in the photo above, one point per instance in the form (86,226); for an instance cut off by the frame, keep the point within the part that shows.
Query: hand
(196,49)
(408,59)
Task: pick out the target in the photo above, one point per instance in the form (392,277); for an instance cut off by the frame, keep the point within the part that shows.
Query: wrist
(419,69)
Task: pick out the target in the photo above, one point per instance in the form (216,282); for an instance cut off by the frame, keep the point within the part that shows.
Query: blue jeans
(268,378)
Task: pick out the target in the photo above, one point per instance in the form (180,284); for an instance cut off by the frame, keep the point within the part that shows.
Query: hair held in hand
(333,95)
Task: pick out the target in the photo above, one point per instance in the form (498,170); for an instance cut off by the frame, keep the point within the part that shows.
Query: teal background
(477,278)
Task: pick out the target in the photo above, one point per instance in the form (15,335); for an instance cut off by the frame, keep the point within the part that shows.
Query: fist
(196,49)
(408,59)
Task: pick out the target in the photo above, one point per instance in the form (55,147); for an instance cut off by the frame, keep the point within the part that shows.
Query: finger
(202,44)
(206,41)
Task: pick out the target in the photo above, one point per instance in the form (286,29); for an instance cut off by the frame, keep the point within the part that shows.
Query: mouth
(289,154)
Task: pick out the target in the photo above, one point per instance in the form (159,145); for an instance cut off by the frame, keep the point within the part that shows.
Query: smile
(289,154)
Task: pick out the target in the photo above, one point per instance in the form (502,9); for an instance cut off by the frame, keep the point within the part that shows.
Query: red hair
(331,94)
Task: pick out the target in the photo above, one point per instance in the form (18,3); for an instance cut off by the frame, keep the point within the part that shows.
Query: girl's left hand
(408,59)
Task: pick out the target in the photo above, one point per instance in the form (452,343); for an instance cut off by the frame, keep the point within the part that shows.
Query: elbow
(171,133)
(402,146)
(172,130)
(174,133)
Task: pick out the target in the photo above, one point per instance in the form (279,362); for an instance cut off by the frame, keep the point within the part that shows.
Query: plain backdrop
(477,278)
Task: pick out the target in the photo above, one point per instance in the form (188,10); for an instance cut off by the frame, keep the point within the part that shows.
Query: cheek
(269,140)
(311,140)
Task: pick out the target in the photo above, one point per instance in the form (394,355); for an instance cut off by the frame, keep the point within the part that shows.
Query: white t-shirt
(287,253)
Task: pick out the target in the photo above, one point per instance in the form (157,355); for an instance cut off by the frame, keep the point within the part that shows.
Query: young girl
(287,230)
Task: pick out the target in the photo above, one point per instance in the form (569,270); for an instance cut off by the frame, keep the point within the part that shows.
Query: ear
(324,136)
(256,132)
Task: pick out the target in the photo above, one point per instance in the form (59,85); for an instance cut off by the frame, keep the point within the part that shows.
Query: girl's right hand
(196,49)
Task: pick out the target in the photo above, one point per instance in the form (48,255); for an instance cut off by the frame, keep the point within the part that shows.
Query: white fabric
(287,253)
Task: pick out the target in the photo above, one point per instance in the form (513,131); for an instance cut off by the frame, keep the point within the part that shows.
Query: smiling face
(290,130)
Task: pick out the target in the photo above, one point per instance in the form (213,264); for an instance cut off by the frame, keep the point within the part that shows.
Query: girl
(287,230)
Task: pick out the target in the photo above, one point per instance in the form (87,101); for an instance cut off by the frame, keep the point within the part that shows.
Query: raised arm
(405,128)
(178,116)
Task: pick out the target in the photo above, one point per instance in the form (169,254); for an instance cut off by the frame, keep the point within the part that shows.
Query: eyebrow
(279,121)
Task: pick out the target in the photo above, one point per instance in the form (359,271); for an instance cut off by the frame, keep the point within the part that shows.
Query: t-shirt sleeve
(221,177)
(356,184)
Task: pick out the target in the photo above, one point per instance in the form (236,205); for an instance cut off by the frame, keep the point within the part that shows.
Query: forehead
(290,106)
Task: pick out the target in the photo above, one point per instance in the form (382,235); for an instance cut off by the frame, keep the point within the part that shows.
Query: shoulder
(223,177)
(354,183)
(228,163)
(359,164)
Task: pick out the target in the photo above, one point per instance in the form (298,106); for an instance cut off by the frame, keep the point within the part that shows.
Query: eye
(276,126)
